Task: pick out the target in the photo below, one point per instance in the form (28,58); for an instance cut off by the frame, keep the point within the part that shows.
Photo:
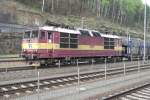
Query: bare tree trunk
(69,7)
(57,3)
(81,6)
(108,11)
(113,11)
(102,10)
(118,16)
(52,6)
(98,8)
(93,6)
(139,18)
(105,11)
(124,20)
(121,19)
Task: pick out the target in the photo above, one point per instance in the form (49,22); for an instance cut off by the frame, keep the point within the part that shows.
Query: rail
(9,90)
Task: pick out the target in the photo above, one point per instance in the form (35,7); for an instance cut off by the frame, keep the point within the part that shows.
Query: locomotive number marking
(30,45)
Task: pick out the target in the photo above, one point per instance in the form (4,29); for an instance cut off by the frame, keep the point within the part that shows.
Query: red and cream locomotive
(50,44)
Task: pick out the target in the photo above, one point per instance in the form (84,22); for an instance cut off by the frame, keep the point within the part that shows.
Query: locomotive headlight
(24,50)
(49,41)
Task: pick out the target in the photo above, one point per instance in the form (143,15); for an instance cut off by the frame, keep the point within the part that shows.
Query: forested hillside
(124,12)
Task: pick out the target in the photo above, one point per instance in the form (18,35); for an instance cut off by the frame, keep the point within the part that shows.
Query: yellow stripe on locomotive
(56,46)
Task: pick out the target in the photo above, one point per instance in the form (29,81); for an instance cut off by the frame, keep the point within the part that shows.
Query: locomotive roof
(58,29)
(89,31)
(73,31)
(109,36)
(102,35)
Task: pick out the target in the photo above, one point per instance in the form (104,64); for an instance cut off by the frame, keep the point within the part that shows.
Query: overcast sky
(148,1)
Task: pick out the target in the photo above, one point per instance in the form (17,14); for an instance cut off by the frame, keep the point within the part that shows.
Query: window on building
(109,43)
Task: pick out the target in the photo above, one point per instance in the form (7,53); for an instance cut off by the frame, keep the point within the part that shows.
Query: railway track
(3,60)
(21,64)
(10,56)
(141,92)
(15,64)
(23,88)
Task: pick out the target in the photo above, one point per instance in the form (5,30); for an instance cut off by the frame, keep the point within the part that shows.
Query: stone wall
(10,43)
(7,13)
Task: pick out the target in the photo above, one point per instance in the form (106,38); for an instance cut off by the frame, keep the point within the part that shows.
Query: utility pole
(43,5)
(144,32)
(129,43)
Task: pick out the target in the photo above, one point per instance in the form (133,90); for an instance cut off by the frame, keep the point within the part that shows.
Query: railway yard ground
(74,50)
(95,82)
(19,74)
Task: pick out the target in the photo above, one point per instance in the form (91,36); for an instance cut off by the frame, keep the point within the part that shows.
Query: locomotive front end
(38,44)
(30,44)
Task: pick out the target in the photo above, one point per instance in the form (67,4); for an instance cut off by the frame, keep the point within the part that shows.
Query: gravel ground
(13,75)
(100,88)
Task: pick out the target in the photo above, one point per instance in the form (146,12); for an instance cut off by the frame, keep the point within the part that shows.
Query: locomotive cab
(35,43)
(29,37)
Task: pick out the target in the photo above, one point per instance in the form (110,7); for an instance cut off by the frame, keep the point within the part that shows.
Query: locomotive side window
(111,46)
(34,34)
(73,35)
(73,41)
(27,34)
(68,40)
(64,40)
(109,43)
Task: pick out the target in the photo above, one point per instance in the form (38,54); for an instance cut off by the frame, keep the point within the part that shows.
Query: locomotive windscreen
(27,34)
(35,34)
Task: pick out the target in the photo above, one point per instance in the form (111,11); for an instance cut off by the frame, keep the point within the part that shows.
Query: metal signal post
(144,32)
